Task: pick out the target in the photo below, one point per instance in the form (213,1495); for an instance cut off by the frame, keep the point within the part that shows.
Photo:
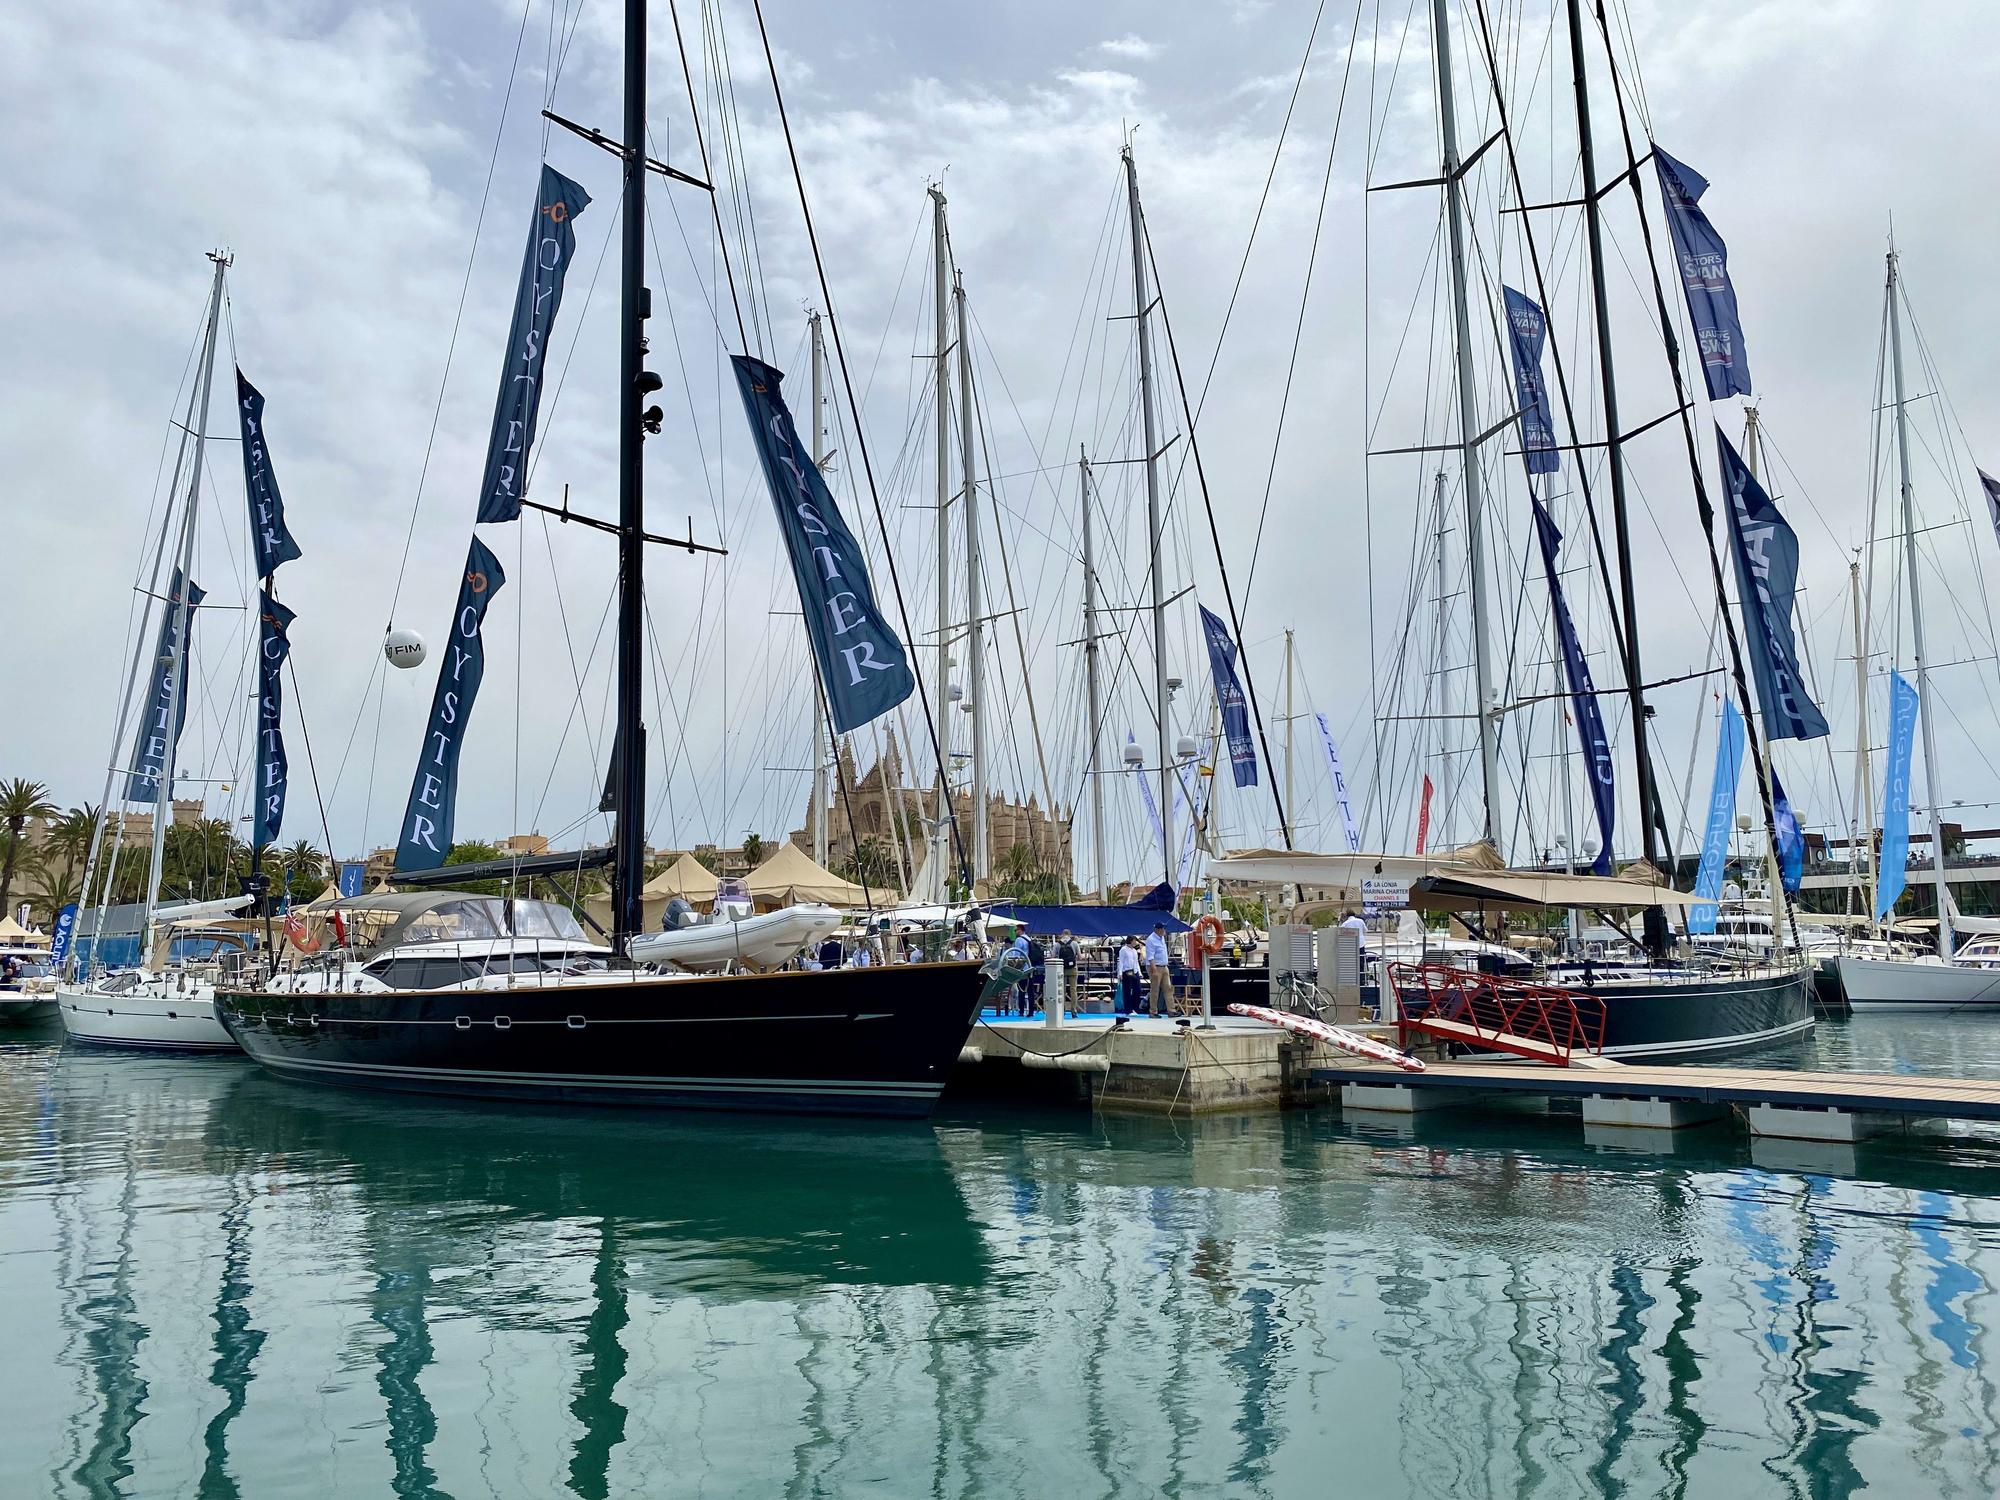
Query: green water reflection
(218,1284)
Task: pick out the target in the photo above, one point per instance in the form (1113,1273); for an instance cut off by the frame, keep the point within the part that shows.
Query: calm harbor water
(216,1284)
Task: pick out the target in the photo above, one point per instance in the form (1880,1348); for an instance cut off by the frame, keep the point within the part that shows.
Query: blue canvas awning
(1136,920)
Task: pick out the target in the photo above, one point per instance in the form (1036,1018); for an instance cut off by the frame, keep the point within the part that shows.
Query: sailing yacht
(1932,981)
(877,1040)
(127,987)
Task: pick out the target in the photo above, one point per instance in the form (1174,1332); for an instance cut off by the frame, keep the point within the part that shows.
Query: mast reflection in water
(220,1284)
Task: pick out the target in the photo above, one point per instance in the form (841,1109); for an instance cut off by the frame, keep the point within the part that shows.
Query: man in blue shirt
(1159,978)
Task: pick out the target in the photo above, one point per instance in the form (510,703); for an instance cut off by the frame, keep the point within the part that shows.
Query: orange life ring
(1204,937)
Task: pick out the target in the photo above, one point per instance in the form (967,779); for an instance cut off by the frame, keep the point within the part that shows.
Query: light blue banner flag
(862,664)
(1892,869)
(160,728)
(1527,329)
(1152,802)
(1766,551)
(1347,825)
(1704,266)
(1791,841)
(427,820)
(1204,791)
(551,247)
(1721,817)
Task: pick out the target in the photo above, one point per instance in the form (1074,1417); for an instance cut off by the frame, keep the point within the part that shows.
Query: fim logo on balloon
(404,648)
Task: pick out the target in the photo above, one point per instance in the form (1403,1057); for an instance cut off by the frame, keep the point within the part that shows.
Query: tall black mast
(629,866)
(1656,926)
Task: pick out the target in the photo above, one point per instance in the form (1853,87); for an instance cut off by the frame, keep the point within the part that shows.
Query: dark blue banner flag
(1583,694)
(551,247)
(1704,267)
(352,873)
(1791,841)
(274,644)
(1229,694)
(861,662)
(1527,329)
(1766,550)
(269,539)
(427,821)
(153,752)
(59,939)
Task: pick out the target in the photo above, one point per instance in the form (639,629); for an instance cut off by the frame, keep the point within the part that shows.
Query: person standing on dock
(1130,986)
(1159,976)
(1031,987)
(1066,951)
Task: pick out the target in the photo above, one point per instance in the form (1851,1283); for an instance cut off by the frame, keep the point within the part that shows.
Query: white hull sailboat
(129,988)
(164,1011)
(1915,984)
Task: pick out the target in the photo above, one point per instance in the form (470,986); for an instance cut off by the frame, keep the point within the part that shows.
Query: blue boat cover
(1136,920)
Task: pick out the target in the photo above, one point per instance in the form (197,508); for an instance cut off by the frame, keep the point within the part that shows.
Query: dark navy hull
(874,1041)
(1680,1020)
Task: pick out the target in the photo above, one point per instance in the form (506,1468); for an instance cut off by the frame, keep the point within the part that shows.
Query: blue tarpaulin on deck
(1157,905)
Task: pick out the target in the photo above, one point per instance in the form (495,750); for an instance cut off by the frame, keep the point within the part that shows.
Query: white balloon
(404,648)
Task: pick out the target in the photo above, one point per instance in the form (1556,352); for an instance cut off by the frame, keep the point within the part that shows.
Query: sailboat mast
(1863,758)
(975,644)
(177,610)
(819,456)
(629,861)
(1656,931)
(1091,687)
(1925,712)
(1290,719)
(1142,305)
(940,254)
(1468,427)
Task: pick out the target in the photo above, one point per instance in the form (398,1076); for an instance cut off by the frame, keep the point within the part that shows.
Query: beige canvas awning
(25,937)
(792,876)
(1534,890)
(687,877)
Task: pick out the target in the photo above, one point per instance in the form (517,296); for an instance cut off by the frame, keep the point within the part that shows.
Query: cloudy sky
(342,153)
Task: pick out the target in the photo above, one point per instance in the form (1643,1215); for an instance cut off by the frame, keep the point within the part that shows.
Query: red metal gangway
(1502,1015)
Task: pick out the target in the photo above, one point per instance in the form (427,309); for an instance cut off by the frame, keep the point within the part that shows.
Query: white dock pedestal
(1649,1114)
(1052,993)
(1837,1125)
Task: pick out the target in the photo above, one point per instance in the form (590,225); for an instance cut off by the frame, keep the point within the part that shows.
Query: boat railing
(1465,1006)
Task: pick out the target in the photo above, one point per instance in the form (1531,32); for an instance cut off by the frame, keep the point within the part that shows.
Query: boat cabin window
(449,921)
(422,973)
(544,919)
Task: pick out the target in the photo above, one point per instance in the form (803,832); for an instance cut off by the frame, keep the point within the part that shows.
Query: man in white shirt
(1358,927)
(1129,983)
(1159,977)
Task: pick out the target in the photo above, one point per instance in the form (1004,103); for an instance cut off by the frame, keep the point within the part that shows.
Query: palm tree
(20,801)
(302,871)
(870,865)
(753,850)
(56,881)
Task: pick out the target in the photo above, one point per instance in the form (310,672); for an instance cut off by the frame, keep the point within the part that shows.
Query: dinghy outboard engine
(1001,973)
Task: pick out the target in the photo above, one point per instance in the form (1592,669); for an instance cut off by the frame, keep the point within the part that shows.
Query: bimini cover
(1136,920)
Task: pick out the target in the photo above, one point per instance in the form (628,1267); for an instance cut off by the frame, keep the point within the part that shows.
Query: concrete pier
(1150,1064)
